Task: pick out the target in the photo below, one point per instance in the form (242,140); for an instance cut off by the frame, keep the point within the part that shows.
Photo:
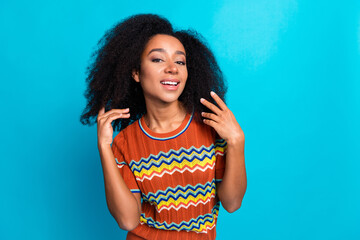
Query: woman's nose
(171,68)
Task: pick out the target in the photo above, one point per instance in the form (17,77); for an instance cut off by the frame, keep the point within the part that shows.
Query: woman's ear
(135,75)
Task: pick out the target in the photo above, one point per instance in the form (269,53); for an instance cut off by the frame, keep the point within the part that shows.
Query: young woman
(180,150)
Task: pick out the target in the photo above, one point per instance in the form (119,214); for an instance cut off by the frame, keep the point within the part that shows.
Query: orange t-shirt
(176,174)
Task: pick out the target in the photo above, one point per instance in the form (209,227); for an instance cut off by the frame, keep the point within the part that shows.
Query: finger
(113,116)
(210,116)
(101,111)
(211,123)
(116,116)
(210,106)
(116,111)
(218,100)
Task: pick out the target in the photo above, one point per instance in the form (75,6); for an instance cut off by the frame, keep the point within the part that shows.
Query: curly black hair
(109,76)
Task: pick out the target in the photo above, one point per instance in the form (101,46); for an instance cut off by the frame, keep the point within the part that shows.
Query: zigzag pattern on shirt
(181,196)
(183,159)
(202,223)
(176,169)
(172,155)
(220,146)
(120,164)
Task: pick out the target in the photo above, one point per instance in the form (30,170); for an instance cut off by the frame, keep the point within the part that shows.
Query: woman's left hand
(223,121)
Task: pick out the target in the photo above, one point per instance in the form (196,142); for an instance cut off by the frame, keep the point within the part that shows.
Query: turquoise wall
(293,70)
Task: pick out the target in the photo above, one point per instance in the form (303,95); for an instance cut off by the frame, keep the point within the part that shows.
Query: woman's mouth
(170,84)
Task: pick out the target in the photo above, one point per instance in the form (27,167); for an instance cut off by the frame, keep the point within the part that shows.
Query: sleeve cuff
(135,190)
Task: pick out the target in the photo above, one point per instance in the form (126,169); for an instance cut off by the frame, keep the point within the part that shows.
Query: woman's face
(163,71)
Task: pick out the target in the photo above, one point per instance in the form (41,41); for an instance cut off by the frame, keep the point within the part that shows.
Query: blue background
(293,70)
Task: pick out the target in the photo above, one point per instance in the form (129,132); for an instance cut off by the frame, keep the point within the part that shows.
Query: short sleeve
(220,154)
(123,167)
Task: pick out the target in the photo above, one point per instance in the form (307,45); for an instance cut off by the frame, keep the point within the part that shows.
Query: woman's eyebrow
(163,50)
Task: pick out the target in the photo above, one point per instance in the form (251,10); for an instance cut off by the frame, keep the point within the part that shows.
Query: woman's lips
(170,84)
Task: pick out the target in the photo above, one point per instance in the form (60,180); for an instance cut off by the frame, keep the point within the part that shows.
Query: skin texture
(164,57)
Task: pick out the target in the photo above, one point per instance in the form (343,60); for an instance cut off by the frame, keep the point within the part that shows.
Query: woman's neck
(165,118)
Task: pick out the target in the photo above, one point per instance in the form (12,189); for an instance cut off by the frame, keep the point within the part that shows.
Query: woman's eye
(181,62)
(156,60)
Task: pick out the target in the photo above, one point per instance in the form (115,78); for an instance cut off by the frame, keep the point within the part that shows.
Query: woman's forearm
(233,186)
(122,203)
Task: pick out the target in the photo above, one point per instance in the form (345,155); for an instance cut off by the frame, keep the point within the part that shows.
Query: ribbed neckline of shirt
(169,135)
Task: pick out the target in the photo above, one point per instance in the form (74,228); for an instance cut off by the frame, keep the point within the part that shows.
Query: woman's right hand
(104,127)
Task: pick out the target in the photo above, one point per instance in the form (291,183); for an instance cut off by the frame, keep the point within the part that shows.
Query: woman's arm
(233,186)
(123,205)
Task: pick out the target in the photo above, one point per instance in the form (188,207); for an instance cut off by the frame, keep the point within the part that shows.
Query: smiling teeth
(169,83)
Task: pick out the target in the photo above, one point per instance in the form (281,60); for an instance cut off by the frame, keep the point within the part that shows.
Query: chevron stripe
(181,196)
(180,167)
(177,191)
(120,163)
(189,159)
(220,142)
(201,161)
(204,231)
(186,205)
(200,224)
(220,147)
(176,169)
(172,155)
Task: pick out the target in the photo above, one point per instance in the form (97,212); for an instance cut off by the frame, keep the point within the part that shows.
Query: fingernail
(201,99)
(212,93)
